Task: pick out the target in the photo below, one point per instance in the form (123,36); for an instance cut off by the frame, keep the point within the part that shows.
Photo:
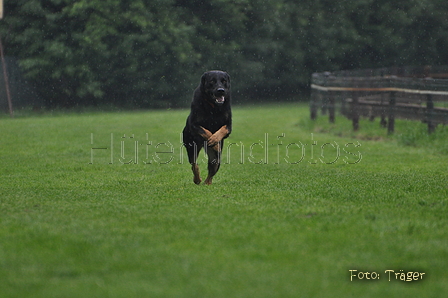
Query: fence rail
(413,93)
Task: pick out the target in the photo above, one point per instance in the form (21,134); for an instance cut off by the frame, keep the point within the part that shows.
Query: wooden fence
(413,93)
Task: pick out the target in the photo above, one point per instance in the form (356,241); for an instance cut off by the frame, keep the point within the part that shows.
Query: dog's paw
(208,181)
(213,141)
(216,147)
(197,180)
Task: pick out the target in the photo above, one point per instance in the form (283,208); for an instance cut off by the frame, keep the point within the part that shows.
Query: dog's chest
(213,120)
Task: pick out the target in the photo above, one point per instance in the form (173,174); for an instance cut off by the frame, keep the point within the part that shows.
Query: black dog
(209,122)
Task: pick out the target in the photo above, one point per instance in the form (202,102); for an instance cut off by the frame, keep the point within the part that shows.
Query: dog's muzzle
(219,95)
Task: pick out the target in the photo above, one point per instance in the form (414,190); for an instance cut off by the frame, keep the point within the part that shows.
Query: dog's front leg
(217,137)
(207,135)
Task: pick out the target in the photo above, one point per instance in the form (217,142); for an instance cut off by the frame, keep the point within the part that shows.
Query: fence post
(324,104)
(391,122)
(313,104)
(355,111)
(383,121)
(430,113)
(5,76)
(331,107)
(325,98)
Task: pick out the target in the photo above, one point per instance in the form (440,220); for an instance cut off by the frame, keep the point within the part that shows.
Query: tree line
(151,53)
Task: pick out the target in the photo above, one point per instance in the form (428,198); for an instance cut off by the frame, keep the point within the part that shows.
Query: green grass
(407,133)
(289,225)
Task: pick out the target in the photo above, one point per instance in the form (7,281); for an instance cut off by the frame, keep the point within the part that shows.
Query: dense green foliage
(151,52)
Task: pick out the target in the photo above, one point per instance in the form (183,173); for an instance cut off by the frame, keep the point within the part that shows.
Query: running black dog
(209,122)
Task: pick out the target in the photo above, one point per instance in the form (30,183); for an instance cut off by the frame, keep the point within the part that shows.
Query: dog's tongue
(220,99)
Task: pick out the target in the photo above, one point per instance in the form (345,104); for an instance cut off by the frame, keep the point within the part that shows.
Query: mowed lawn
(103,205)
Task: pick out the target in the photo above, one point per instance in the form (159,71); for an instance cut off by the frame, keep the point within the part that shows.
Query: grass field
(103,205)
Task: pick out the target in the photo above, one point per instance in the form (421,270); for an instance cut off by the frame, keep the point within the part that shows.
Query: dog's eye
(224,81)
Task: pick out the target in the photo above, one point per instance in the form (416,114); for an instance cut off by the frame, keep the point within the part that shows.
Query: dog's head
(215,85)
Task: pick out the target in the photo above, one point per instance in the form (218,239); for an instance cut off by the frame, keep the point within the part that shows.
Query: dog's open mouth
(219,99)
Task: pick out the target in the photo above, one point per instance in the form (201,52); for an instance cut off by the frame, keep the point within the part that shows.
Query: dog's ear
(227,77)
(203,79)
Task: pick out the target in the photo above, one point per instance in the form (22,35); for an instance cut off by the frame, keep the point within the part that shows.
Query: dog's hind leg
(193,152)
(214,161)
(194,163)
(197,177)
